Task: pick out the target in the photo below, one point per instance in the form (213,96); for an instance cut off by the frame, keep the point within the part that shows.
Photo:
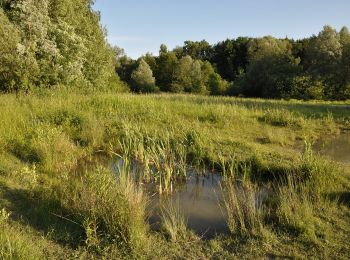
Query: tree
(230,57)
(166,66)
(11,74)
(182,78)
(270,77)
(271,68)
(151,61)
(197,50)
(216,85)
(196,78)
(323,58)
(324,51)
(56,44)
(206,70)
(305,87)
(262,47)
(188,76)
(143,80)
(344,69)
(126,68)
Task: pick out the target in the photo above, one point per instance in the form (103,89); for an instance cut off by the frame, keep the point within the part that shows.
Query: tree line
(48,43)
(317,67)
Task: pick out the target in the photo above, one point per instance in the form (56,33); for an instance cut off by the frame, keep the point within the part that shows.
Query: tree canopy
(317,67)
(48,43)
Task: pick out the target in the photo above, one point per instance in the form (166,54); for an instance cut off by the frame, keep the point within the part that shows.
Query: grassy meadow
(51,209)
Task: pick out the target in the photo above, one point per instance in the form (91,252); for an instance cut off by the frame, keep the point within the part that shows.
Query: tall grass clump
(173,220)
(318,174)
(283,118)
(244,208)
(113,208)
(295,210)
(304,193)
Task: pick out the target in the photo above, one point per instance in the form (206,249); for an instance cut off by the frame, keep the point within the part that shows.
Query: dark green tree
(271,77)
(166,66)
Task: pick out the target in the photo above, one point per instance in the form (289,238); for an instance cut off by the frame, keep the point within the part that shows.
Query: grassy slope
(43,136)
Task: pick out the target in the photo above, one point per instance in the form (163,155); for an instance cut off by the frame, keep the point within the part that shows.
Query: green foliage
(260,48)
(197,50)
(311,68)
(305,87)
(230,57)
(270,76)
(327,59)
(143,80)
(188,76)
(324,52)
(16,69)
(216,85)
(51,44)
(166,67)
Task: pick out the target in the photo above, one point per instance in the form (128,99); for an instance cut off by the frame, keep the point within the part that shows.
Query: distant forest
(312,68)
(51,43)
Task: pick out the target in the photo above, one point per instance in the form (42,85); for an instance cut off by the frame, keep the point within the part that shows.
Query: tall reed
(244,208)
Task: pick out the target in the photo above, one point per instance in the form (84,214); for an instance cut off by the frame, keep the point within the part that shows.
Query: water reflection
(337,149)
(198,198)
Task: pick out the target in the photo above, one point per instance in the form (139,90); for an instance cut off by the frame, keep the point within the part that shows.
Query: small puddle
(337,149)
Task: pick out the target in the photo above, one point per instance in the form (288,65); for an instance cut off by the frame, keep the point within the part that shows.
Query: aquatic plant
(243,207)
(173,220)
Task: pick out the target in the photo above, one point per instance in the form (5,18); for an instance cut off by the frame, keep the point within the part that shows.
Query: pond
(198,198)
(337,149)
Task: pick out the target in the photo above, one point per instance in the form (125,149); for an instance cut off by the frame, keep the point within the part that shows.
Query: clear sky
(140,26)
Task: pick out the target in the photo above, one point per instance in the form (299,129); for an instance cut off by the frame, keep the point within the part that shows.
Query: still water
(337,149)
(198,198)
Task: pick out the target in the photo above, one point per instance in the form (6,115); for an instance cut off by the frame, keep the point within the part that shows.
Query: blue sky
(140,26)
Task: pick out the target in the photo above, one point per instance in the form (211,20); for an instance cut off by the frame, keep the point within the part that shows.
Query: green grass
(60,212)
(173,220)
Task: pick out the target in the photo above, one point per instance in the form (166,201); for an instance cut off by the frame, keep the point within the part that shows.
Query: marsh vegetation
(277,197)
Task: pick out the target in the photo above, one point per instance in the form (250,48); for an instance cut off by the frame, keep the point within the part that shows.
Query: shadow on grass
(45,214)
(275,256)
(342,198)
